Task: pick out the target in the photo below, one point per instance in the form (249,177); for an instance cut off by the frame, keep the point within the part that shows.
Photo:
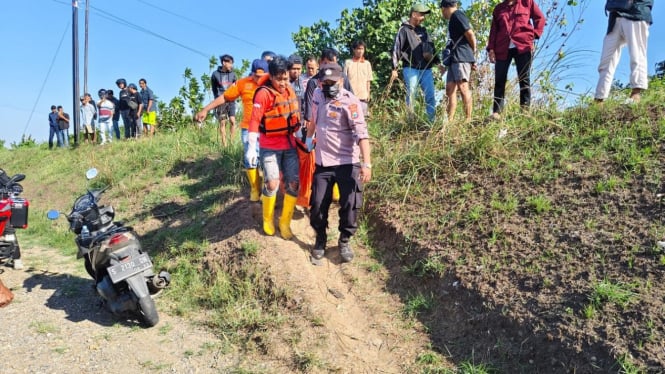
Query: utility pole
(85,48)
(75,71)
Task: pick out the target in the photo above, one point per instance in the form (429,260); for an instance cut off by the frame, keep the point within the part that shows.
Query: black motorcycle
(114,258)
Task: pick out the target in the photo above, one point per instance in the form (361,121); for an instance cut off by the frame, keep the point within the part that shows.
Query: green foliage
(628,367)
(417,304)
(192,91)
(468,367)
(26,142)
(539,204)
(250,248)
(428,267)
(172,115)
(617,293)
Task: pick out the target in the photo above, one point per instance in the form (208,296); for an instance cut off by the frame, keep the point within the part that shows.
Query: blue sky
(37,39)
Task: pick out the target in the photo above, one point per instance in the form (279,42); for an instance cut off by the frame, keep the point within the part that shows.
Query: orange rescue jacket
(284,116)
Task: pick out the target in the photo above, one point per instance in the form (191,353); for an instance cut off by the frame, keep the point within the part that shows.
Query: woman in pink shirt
(515,26)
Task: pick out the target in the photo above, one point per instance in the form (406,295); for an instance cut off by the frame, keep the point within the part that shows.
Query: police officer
(342,141)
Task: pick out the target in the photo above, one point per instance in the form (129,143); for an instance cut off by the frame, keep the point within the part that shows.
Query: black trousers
(523,64)
(347,178)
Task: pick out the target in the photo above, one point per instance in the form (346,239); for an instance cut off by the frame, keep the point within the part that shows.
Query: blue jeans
(63,138)
(53,133)
(127,122)
(244,136)
(413,78)
(116,128)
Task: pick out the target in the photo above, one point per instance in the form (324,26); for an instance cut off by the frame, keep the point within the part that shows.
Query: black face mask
(330,91)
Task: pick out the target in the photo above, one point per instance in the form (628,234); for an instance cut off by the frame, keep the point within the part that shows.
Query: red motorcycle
(13,215)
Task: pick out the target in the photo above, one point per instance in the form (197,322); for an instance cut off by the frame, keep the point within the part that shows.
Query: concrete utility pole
(74,118)
(85,48)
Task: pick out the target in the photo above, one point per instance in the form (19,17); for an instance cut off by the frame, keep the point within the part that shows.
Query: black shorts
(226,110)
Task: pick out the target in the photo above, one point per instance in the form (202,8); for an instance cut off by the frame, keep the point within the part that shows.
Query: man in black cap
(415,51)
(342,157)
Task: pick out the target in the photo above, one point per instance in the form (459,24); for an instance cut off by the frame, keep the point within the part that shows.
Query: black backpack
(618,5)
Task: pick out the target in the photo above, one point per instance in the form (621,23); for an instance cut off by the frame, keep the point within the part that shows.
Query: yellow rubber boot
(254,184)
(335,193)
(268,214)
(287,214)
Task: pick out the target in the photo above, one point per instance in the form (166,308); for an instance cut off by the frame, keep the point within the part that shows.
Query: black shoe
(319,249)
(345,250)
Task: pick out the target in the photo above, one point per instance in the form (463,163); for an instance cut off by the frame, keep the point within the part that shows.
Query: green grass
(162,177)
(460,187)
(428,267)
(617,293)
(42,327)
(417,304)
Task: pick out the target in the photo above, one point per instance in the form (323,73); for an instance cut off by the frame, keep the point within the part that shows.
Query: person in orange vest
(244,88)
(275,120)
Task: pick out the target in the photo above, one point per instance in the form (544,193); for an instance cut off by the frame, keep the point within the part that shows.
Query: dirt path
(356,326)
(56,325)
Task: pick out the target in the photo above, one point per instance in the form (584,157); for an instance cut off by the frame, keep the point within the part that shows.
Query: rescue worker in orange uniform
(244,88)
(275,120)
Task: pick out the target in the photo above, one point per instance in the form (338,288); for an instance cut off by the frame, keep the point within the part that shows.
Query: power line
(104,14)
(200,24)
(41,89)
(108,16)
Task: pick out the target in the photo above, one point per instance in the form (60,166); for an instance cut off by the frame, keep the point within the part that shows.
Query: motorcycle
(114,258)
(13,215)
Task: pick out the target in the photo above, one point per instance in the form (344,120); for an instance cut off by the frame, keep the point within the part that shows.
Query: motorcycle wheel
(148,311)
(88,266)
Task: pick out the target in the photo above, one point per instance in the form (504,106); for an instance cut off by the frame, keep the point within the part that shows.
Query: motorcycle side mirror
(17,178)
(91,173)
(52,214)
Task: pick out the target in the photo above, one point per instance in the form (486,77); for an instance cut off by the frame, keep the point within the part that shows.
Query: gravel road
(56,324)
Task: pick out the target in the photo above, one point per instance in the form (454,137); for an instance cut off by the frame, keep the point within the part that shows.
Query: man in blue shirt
(54,128)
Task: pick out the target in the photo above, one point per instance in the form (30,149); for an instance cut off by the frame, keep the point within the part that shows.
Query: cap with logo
(331,72)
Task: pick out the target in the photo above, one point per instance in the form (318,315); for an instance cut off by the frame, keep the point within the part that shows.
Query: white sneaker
(18,264)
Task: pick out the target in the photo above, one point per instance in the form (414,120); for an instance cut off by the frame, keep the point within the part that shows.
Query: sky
(157,40)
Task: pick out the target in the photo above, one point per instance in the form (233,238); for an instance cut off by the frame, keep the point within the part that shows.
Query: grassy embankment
(452,198)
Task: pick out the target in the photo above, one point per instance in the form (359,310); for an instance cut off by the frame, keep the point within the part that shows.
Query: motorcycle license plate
(126,269)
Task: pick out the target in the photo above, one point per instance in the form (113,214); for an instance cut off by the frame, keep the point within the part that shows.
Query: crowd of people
(515,26)
(304,124)
(307,131)
(138,110)
(304,131)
